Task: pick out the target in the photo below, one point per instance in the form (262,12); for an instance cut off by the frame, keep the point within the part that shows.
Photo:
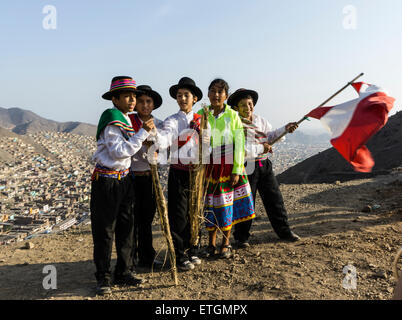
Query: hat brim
(235,98)
(156,97)
(108,95)
(195,90)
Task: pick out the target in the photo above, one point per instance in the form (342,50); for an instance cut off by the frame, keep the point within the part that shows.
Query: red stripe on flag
(370,116)
(318,113)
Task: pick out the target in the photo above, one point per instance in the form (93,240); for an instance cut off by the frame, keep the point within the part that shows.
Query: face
(185,100)
(145,105)
(245,107)
(126,102)
(217,96)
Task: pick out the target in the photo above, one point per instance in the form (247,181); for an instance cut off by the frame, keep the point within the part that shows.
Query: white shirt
(139,162)
(175,127)
(114,151)
(254,150)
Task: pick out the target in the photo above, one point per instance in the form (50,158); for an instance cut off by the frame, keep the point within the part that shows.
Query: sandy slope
(328,216)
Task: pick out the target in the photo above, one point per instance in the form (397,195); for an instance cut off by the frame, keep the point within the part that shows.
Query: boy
(145,203)
(176,134)
(112,193)
(262,178)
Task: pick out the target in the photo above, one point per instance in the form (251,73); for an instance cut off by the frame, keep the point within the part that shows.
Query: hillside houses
(40,192)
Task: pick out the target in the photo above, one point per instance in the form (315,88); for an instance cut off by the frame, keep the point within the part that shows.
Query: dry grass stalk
(163,213)
(198,188)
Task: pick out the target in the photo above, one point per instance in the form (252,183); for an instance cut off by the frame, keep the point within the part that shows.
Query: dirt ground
(329,217)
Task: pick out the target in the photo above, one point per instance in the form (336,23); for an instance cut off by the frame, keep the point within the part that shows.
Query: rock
(29,245)
(367,209)
(381,274)
(337,182)
(390,290)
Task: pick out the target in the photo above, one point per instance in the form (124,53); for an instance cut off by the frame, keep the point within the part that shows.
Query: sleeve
(167,132)
(239,145)
(271,134)
(119,147)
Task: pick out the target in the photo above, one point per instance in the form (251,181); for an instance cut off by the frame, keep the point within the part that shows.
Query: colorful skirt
(225,205)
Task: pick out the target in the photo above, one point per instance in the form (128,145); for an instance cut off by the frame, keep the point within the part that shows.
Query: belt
(108,173)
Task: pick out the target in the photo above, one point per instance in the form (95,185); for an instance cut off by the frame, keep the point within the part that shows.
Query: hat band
(123,84)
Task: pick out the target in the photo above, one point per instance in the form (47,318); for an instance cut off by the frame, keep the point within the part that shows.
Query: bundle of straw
(198,188)
(163,213)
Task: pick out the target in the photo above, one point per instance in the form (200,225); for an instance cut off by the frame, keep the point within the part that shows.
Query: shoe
(210,251)
(185,266)
(195,260)
(242,244)
(226,254)
(290,236)
(103,286)
(129,279)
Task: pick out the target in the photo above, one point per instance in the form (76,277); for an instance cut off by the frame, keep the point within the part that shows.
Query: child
(145,202)
(262,178)
(112,193)
(229,199)
(176,134)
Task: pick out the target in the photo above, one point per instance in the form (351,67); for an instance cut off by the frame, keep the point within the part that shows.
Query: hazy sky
(294,53)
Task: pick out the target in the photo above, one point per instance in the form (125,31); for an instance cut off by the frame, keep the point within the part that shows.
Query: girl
(229,199)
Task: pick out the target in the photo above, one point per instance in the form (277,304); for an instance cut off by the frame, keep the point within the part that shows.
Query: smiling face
(185,100)
(125,102)
(245,107)
(145,106)
(217,96)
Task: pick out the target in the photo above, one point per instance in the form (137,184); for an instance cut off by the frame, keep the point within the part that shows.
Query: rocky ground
(356,222)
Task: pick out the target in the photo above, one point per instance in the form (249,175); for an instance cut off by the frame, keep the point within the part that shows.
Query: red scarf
(135,121)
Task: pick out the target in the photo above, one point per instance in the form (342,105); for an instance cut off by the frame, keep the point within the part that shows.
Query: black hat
(147,90)
(239,94)
(186,83)
(120,83)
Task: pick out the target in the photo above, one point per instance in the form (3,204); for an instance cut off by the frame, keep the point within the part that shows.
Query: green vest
(113,117)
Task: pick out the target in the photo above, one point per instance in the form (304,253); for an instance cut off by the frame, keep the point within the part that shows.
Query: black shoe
(242,244)
(290,236)
(129,279)
(103,286)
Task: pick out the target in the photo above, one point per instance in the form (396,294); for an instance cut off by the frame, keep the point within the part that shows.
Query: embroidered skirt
(225,205)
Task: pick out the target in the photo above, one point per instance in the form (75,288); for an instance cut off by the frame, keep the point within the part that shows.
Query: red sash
(135,121)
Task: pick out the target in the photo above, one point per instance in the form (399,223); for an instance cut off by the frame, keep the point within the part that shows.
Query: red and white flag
(353,123)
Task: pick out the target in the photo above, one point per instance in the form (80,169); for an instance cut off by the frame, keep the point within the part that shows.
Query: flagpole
(322,104)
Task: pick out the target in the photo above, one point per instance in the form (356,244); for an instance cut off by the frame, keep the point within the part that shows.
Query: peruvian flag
(353,123)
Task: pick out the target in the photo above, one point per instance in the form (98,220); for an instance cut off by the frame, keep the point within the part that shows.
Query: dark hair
(221,83)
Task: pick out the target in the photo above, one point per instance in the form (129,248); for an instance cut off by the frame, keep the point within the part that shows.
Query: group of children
(123,204)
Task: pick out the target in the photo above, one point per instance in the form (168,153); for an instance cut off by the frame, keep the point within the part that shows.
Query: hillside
(330,166)
(23,121)
(332,219)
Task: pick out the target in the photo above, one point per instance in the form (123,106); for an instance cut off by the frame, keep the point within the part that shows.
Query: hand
(267,147)
(291,127)
(234,179)
(148,125)
(148,143)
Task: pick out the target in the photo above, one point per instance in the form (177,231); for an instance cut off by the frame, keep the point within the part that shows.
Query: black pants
(112,215)
(178,206)
(144,213)
(264,180)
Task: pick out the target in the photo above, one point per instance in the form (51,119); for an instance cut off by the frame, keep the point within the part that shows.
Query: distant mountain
(24,121)
(329,165)
(304,138)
